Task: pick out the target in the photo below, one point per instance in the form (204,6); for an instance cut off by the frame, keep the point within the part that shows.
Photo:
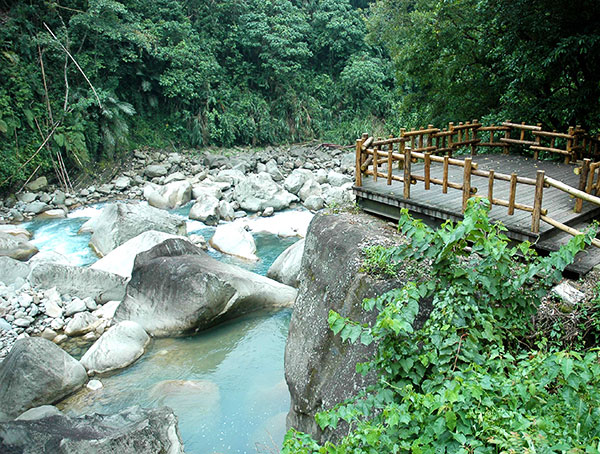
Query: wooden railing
(377,158)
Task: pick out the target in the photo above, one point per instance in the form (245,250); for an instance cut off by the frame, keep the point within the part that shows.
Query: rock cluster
(223,184)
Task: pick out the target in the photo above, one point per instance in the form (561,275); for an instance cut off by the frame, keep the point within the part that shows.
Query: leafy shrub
(470,380)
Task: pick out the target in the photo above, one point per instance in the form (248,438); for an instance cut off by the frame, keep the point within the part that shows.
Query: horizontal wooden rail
(566,228)
(521,126)
(572,191)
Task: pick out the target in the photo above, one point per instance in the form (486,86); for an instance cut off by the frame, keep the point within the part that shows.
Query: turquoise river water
(226,385)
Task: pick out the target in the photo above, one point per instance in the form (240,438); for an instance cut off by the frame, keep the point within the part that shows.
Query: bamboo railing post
(583,177)
(466,183)
(537,201)
(474,137)
(390,162)
(507,136)
(538,140)
(358,175)
(513,194)
(407,179)
(429,136)
(450,141)
(427,170)
(401,148)
(491,188)
(445,176)
(375,162)
(569,145)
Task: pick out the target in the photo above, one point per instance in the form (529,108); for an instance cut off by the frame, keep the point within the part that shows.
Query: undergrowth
(477,377)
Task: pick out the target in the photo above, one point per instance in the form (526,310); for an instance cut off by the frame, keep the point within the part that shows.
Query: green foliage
(462,59)
(379,262)
(187,73)
(473,379)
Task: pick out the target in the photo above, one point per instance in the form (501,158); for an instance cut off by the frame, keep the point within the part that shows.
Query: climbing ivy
(476,378)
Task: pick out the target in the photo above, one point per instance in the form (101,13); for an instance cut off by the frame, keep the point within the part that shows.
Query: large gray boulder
(36,372)
(132,431)
(176,287)
(120,260)
(16,247)
(120,222)
(11,270)
(258,191)
(118,347)
(286,268)
(319,368)
(78,281)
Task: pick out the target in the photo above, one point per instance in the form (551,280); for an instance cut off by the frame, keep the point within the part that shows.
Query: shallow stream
(226,385)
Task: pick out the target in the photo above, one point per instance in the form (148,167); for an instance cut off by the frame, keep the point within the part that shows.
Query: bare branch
(76,64)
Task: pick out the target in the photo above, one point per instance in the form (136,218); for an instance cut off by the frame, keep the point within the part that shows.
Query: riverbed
(226,385)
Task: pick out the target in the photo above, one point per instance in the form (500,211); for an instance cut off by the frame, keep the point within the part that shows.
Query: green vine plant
(475,378)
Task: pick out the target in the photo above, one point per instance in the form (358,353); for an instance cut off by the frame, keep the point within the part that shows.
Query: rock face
(176,287)
(286,268)
(15,247)
(120,346)
(120,222)
(319,368)
(77,281)
(36,372)
(133,431)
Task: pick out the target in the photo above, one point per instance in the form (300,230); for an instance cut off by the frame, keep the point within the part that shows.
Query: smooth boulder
(132,431)
(234,239)
(78,281)
(118,347)
(15,247)
(120,222)
(36,372)
(176,287)
(286,268)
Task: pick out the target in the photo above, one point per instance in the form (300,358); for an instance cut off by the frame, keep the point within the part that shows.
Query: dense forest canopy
(99,77)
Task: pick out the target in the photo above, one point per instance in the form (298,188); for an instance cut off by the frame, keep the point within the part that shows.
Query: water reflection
(226,385)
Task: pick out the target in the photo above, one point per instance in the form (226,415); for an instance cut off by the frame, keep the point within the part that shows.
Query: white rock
(94,385)
(81,323)
(206,209)
(120,260)
(107,311)
(74,306)
(118,347)
(568,293)
(285,224)
(25,300)
(234,239)
(286,268)
(296,180)
(52,309)
(310,189)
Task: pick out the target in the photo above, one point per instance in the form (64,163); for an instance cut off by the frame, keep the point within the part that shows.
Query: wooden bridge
(541,201)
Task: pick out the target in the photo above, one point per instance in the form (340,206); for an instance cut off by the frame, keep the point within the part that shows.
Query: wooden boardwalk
(380,198)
